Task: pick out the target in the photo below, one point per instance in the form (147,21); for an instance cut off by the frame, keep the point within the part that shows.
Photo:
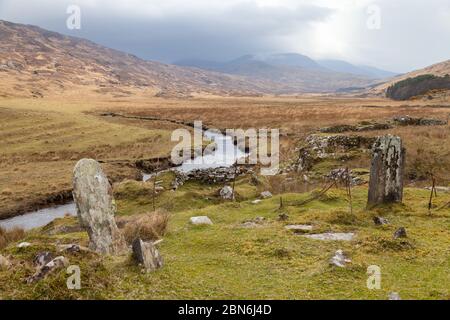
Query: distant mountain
(291,70)
(343,66)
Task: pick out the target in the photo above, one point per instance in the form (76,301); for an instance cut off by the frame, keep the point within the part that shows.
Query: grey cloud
(208,34)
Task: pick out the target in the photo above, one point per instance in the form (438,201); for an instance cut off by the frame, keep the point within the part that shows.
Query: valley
(307,232)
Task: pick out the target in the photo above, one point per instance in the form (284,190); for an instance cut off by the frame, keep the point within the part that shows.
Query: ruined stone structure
(95,207)
(386,172)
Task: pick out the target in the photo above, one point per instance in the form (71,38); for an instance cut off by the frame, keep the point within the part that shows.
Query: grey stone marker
(146,254)
(386,172)
(95,207)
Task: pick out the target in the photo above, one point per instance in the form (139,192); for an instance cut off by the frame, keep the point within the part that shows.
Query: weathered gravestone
(95,207)
(386,172)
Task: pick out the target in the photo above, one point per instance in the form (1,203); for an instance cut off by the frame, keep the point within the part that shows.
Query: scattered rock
(226,193)
(95,207)
(299,228)
(364,126)
(253,223)
(71,248)
(202,220)
(410,121)
(146,254)
(339,259)
(386,173)
(329,236)
(343,175)
(394,296)
(50,267)
(24,245)
(5,264)
(400,233)
(266,194)
(256,201)
(42,258)
(379,221)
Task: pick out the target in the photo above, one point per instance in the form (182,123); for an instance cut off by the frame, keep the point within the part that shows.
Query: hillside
(36,62)
(440,69)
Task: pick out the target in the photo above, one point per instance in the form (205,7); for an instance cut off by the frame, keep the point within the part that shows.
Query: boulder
(147,255)
(379,221)
(339,259)
(202,220)
(5,264)
(95,207)
(400,233)
(226,193)
(386,173)
(42,258)
(52,266)
(266,195)
(23,245)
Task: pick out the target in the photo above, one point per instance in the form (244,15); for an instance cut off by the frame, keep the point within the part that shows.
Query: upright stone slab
(386,172)
(95,207)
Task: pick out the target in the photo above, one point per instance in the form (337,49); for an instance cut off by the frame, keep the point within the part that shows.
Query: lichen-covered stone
(50,267)
(95,207)
(147,255)
(386,173)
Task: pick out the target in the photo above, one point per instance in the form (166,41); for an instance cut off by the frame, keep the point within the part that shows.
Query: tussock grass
(149,227)
(8,236)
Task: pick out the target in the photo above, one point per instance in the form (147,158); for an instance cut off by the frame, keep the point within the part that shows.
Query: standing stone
(146,254)
(386,173)
(95,207)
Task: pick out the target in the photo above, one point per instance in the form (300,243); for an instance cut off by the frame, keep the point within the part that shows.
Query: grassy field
(227,261)
(42,140)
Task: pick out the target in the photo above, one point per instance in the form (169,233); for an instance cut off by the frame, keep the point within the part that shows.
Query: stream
(224,155)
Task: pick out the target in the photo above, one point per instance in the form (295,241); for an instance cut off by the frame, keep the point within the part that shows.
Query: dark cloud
(413,33)
(212,33)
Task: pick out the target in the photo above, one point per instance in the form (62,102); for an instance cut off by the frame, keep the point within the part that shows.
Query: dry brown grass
(149,227)
(43,138)
(8,236)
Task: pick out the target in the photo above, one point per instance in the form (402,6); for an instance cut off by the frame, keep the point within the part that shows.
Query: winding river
(224,155)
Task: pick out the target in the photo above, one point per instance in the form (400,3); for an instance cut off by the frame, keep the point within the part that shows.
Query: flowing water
(224,155)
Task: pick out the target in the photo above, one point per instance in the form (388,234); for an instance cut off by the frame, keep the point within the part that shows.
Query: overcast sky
(407,35)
